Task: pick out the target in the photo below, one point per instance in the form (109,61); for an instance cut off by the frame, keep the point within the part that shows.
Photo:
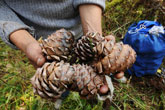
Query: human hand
(119,75)
(104,89)
(34,54)
(25,42)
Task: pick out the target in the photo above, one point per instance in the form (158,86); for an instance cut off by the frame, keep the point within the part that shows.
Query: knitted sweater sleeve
(101,3)
(10,22)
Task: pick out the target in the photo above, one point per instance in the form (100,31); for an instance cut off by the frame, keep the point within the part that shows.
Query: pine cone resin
(54,78)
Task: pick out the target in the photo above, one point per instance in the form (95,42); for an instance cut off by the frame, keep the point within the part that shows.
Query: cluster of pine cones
(81,66)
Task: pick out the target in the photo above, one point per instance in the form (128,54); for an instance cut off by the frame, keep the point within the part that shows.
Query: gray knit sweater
(41,17)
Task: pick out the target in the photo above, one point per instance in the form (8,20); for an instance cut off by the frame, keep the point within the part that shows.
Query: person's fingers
(119,75)
(40,60)
(39,63)
(110,37)
(34,53)
(104,89)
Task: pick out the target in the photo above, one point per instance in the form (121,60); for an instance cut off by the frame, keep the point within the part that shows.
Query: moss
(119,15)
(113,3)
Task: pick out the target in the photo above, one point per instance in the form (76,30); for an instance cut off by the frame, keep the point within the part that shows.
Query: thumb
(104,89)
(119,75)
(40,60)
(34,53)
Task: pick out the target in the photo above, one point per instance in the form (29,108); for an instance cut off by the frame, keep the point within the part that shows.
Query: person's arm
(90,14)
(18,35)
(91,18)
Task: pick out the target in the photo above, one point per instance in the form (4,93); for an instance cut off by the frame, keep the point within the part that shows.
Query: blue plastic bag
(147,38)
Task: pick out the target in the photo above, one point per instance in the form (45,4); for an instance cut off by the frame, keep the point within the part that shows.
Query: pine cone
(85,46)
(119,59)
(92,46)
(43,86)
(58,45)
(53,79)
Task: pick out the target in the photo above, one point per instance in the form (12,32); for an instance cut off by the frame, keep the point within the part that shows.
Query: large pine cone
(53,79)
(120,58)
(58,45)
(85,46)
(93,46)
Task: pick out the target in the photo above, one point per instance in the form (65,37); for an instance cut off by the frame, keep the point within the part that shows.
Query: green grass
(16,90)
(15,87)
(15,72)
